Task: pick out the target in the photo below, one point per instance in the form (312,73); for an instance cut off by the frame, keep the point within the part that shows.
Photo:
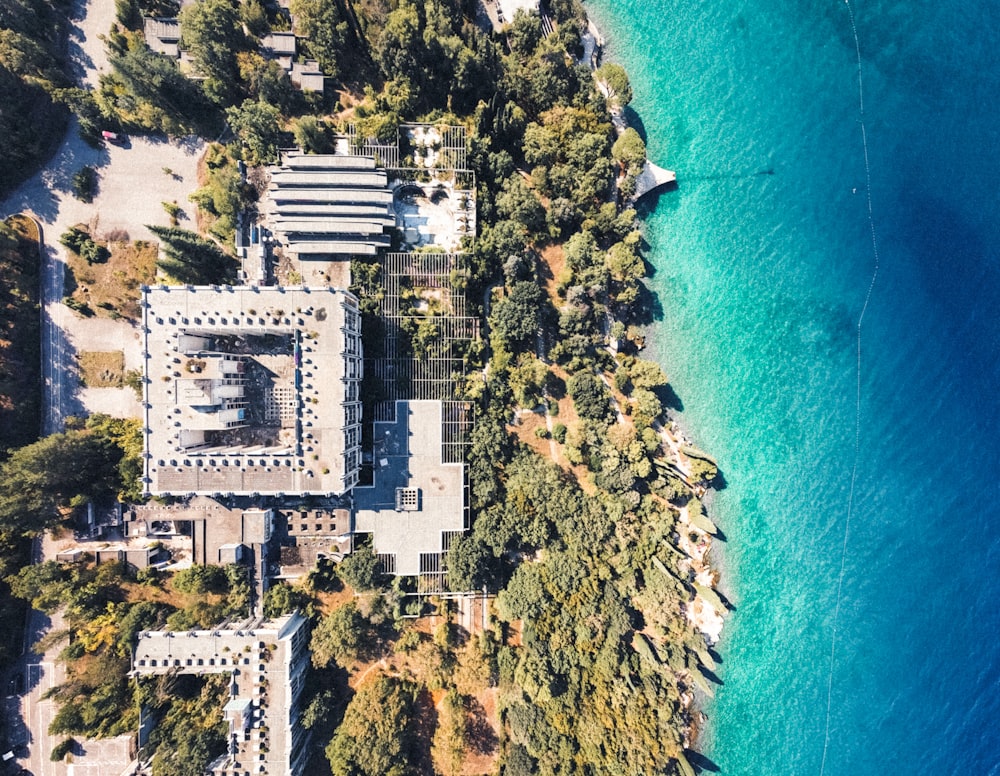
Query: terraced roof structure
(322,205)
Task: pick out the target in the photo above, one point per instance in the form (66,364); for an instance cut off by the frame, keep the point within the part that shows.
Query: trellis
(452,154)
(437,372)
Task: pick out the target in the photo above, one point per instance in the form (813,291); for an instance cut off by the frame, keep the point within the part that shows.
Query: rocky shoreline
(705,611)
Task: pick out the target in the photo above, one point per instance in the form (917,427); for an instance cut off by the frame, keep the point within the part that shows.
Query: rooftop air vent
(407,499)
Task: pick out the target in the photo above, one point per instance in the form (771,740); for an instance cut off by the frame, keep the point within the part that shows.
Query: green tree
(312,135)
(85,184)
(148,91)
(47,586)
(590,396)
(224,194)
(341,636)
(646,374)
(325,30)
(525,34)
(256,124)
(198,579)
(524,597)
(616,84)
(281,599)
(629,151)
(527,380)
(57,471)
(471,564)
(361,569)
(515,318)
(189,258)
(266,80)
(212,33)
(519,203)
(376,735)
(63,748)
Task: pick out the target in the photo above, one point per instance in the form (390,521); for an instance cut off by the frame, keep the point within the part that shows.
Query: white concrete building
(251,390)
(268,661)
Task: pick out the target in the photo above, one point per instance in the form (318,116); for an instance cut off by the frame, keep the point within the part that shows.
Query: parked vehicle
(114,137)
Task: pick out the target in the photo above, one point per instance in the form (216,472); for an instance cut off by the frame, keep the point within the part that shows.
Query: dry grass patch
(525,430)
(111,288)
(102,369)
(553,264)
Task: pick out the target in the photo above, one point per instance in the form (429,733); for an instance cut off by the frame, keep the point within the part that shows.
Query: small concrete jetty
(651,178)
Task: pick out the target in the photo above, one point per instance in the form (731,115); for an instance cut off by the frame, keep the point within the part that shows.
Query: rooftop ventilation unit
(407,499)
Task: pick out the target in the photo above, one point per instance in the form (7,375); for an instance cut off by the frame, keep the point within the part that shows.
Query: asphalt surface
(134,180)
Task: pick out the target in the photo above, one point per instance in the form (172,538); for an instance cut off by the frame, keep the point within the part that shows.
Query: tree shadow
(711,676)
(482,739)
(730,606)
(699,761)
(720,482)
(425,721)
(80,62)
(668,397)
(647,308)
(635,121)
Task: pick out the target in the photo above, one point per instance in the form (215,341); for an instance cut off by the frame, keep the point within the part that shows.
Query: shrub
(590,397)
(173,210)
(85,184)
(63,748)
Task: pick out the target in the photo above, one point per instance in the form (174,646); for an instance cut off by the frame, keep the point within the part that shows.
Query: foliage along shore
(588,518)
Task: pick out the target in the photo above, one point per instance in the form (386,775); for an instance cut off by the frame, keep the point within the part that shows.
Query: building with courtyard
(251,390)
(267,661)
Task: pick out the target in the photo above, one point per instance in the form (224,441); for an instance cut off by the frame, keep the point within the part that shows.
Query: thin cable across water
(857,402)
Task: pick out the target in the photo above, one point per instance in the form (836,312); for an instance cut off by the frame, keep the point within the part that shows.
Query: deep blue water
(762,278)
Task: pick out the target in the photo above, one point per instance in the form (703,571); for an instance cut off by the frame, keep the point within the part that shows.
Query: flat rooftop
(251,390)
(417,501)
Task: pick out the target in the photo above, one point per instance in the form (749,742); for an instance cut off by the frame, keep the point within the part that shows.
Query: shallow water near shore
(763,256)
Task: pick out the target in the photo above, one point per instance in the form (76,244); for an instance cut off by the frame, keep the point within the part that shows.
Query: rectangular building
(251,390)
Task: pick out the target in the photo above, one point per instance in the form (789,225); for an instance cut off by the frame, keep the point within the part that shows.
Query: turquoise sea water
(761,278)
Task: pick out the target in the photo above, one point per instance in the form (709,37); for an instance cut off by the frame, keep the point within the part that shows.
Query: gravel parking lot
(135,179)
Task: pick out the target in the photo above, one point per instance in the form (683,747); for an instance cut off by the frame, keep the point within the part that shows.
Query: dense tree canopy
(146,91)
(361,569)
(20,354)
(52,474)
(31,71)
(255,123)
(515,318)
(212,33)
(375,736)
(189,258)
(326,31)
(590,396)
(343,636)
